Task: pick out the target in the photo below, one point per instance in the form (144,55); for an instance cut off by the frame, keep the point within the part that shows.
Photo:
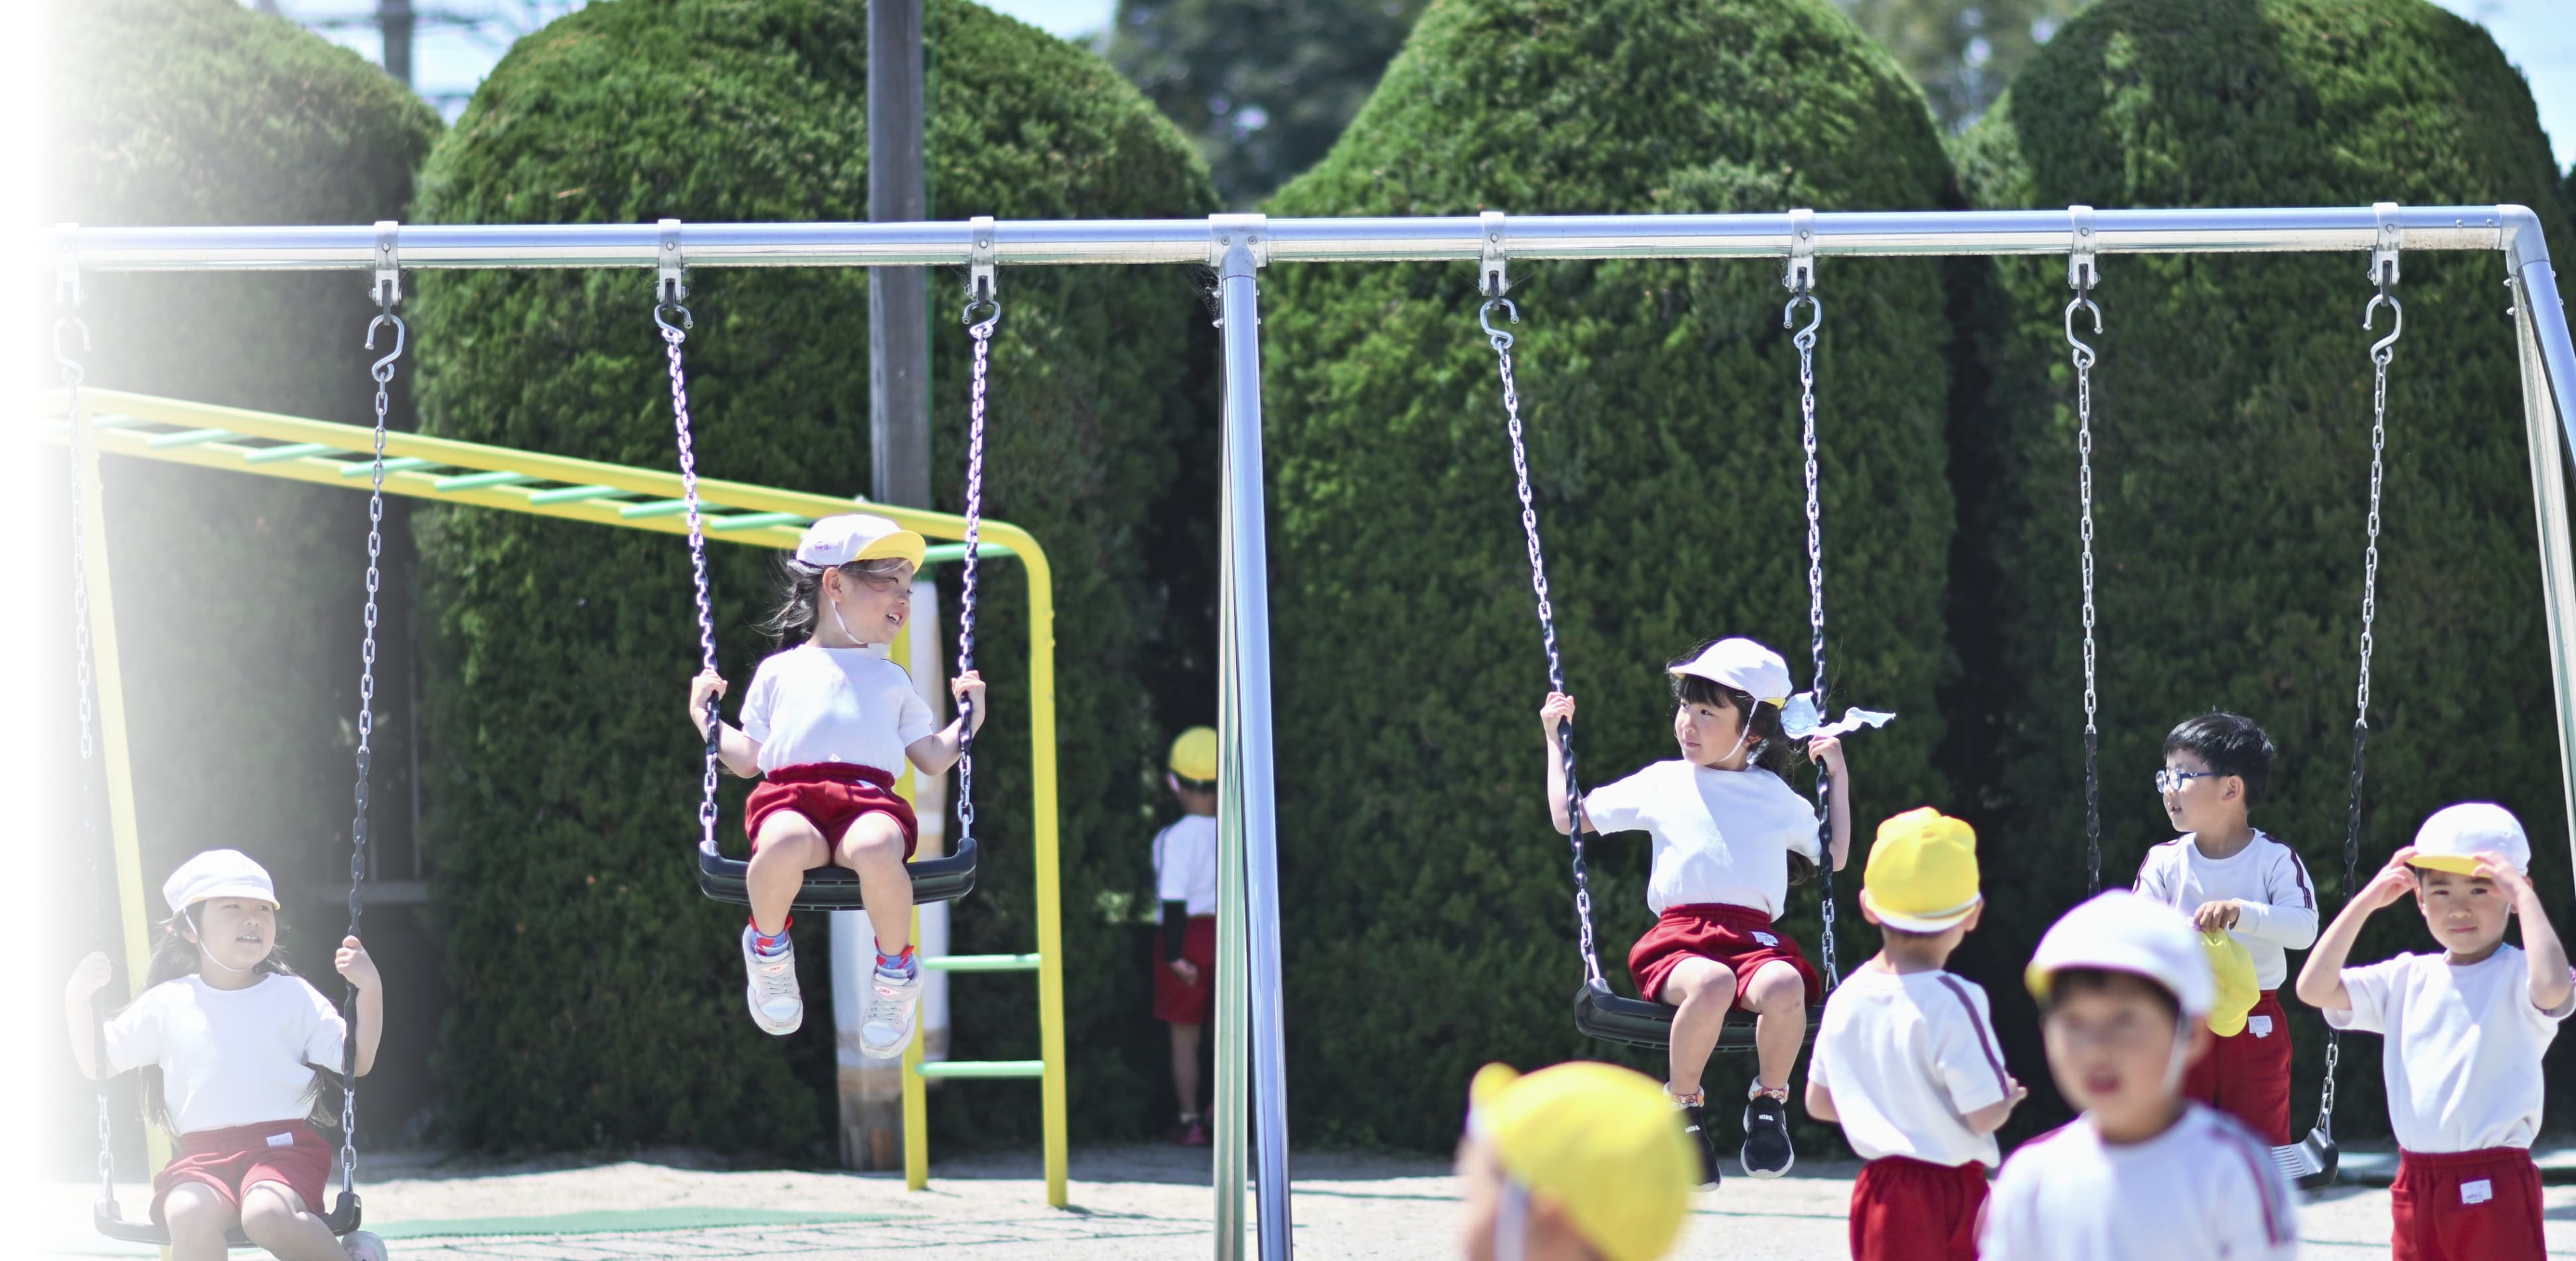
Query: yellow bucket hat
(1194,755)
(1603,1141)
(2238,991)
(1922,873)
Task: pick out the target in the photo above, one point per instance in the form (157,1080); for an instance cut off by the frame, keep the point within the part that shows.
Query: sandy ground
(1129,1203)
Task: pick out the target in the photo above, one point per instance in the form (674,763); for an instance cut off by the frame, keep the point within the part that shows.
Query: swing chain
(1502,343)
(1802,285)
(67,295)
(2082,274)
(387,291)
(982,295)
(670,288)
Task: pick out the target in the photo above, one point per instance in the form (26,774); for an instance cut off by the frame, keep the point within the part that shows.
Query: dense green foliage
(1263,86)
(1428,926)
(600,998)
(2232,444)
(1962,52)
(237,597)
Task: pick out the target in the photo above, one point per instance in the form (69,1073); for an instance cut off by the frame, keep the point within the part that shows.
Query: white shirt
(1720,836)
(2463,1064)
(2204,1190)
(229,1057)
(1907,1057)
(2276,902)
(816,704)
(1185,863)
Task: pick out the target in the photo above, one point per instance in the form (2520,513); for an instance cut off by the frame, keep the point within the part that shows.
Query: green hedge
(599,996)
(2232,414)
(1428,922)
(237,596)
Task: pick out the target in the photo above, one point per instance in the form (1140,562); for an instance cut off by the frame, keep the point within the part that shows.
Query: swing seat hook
(1485,318)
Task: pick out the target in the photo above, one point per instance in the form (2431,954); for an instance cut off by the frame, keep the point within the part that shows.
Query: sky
(449,60)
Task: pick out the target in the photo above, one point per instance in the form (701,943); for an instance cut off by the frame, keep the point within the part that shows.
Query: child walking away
(827,723)
(2144,1174)
(1906,1056)
(243,1045)
(2466,1028)
(1185,885)
(1578,1162)
(1728,830)
(2229,877)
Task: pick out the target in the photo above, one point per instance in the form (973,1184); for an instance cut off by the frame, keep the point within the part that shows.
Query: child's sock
(897,965)
(770,944)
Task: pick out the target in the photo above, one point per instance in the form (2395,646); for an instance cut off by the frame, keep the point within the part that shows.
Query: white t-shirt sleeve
(2287,916)
(134,1035)
(1801,830)
(1171,876)
(326,1036)
(2544,1021)
(2155,879)
(1965,1055)
(759,701)
(1622,806)
(916,720)
(2373,990)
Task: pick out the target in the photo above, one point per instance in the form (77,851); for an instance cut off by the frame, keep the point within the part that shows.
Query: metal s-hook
(384,368)
(2074,304)
(983,274)
(1815,316)
(671,283)
(2083,271)
(2380,350)
(73,322)
(2383,273)
(1485,317)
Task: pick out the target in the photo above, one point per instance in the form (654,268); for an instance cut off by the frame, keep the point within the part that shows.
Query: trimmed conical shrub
(599,994)
(2232,422)
(1428,920)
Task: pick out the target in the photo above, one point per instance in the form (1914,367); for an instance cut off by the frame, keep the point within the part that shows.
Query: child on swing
(2466,1029)
(827,723)
(1728,831)
(243,1044)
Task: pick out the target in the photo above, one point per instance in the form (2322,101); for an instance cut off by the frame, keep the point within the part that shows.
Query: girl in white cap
(2466,1028)
(2145,1174)
(1728,831)
(244,1046)
(827,723)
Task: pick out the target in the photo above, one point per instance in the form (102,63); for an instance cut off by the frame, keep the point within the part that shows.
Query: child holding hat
(1906,1054)
(1185,886)
(1578,1162)
(827,724)
(2145,1174)
(1728,831)
(2466,1029)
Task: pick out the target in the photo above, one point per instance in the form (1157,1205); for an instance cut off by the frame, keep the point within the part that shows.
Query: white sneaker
(363,1245)
(887,1027)
(777,1006)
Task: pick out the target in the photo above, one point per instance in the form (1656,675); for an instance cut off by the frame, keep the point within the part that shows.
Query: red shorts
(1903,1209)
(2248,1076)
(229,1161)
(1737,936)
(831,796)
(2467,1206)
(1174,1000)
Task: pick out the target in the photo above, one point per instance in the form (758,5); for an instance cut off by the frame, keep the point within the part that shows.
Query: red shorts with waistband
(1903,1209)
(229,1161)
(831,796)
(1176,1000)
(2467,1206)
(2248,1076)
(1737,936)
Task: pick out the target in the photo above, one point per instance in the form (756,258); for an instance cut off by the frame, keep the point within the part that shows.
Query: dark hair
(2229,744)
(1189,785)
(2067,980)
(800,596)
(1772,749)
(173,957)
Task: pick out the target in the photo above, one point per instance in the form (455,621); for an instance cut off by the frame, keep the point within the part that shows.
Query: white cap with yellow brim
(1744,665)
(853,537)
(2122,932)
(2455,835)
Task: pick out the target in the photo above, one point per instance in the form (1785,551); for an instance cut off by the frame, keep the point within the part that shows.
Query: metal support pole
(1237,249)
(2545,387)
(395,20)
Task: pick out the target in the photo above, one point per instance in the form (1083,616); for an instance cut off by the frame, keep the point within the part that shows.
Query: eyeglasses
(2171,780)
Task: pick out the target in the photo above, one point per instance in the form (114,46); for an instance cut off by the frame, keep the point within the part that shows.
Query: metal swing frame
(1237,246)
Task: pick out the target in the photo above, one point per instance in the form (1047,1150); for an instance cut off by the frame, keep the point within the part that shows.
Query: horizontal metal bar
(951,553)
(753,521)
(291,451)
(187,438)
(365,466)
(573,494)
(980,963)
(1456,238)
(989,1070)
(479,481)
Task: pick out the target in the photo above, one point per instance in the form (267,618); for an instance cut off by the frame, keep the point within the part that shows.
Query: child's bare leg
(197,1218)
(873,847)
(1185,1066)
(1778,999)
(1701,991)
(274,1217)
(789,847)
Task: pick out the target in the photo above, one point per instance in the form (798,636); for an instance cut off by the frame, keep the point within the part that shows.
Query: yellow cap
(1922,873)
(1604,1142)
(2237,989)
(1194,755)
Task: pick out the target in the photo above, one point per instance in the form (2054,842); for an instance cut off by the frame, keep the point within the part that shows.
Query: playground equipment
(1237,246)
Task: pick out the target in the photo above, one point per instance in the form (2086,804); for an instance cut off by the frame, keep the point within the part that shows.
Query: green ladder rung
(661,508)
(983,1070)
(291,451)
(753,521)
(187,438)
(367,466)
(574,494)
(479,481)
(980,963)
(951,553)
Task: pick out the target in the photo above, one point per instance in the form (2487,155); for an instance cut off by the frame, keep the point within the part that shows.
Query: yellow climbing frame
(444,470)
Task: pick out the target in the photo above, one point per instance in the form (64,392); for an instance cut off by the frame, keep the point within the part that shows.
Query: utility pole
(394,19)
(871,1091)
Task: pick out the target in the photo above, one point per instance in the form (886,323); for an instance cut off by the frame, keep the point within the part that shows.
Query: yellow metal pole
(916,1115)
(1051,1087)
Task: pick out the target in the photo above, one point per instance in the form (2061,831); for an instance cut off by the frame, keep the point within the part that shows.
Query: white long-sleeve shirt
(2276,902)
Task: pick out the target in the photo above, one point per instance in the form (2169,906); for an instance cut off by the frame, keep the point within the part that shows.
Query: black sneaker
(1703,1137)
(1767,1151)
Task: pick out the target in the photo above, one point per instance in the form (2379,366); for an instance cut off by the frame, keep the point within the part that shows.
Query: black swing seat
(2309,1163)
(342,1219)
(836,888)
(1600,1014)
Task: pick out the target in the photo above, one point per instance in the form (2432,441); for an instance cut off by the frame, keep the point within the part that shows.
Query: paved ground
(1130,1204)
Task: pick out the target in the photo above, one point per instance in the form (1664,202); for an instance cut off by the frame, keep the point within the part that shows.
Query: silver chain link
(982,331)
(1806,343)
(383,373)
(672,336)
(2083,358)
(72,375)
